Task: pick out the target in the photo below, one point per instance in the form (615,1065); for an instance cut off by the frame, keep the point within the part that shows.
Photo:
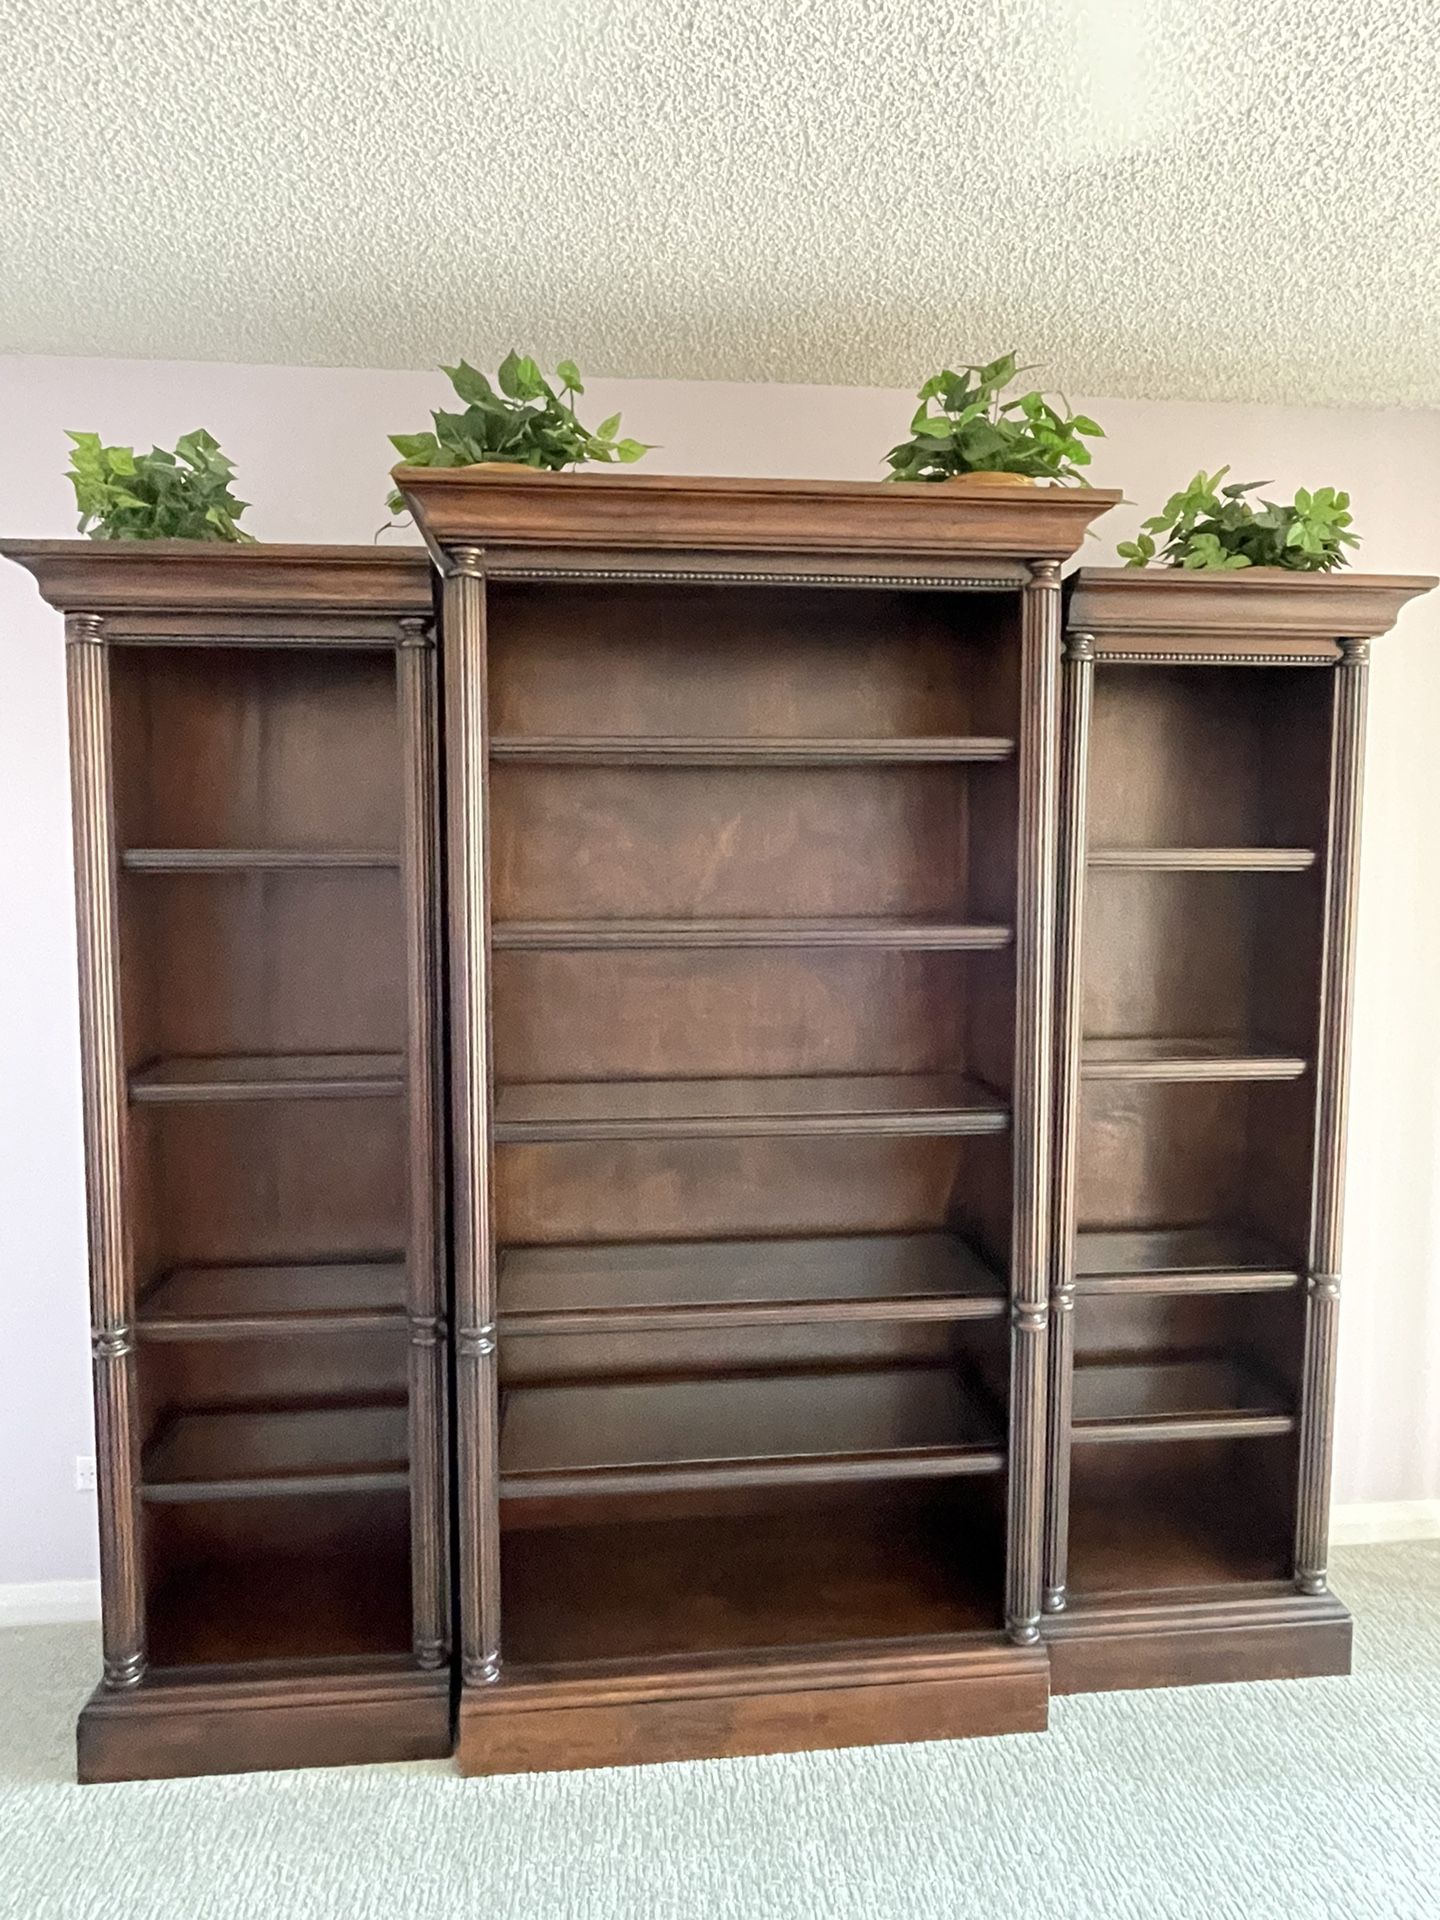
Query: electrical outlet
(84,1473)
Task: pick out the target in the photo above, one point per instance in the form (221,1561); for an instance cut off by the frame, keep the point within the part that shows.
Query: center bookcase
(750,816)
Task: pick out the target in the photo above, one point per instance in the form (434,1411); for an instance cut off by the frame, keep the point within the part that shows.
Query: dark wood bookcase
(254,769)
(1209,819)
(751,842)
(806,1056)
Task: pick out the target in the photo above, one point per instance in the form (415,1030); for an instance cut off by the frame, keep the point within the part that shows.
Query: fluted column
(1032,1144)
(1078,682)
(112,1338)
(1332,1077)
(429,1519)
(471,1104)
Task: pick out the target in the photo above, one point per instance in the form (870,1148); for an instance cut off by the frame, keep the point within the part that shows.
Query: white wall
(310,447)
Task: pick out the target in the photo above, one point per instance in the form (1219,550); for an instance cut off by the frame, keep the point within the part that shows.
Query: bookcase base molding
(169,1729)
(868,1699)
(1282,1635)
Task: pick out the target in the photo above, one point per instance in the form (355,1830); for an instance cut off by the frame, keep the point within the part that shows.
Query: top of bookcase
(1259,612)
(204,577)
(849,529)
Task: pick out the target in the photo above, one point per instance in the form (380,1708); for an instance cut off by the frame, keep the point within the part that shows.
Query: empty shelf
(654,750)
(252,859)
(583,936)
(245,1452)
(1227,1058)
(1183,1259)
(939,1103)
(274,1076)
(908,1276)
(870,1569)
(1174,1399)
(745,1430)
(240,1608)
(1204,859)
(207,1303)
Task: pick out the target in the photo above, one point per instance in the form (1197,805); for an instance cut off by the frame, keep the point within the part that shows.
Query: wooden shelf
(870,1570)
(653,750)
(744,1430)
(585,936)
(278,1076)
(937,1103)
(253,859)
(1179,1260)
(250,1452)
(1186,1059)
(715,1283)
(226,1302)
(1174,1398)
(1203,859)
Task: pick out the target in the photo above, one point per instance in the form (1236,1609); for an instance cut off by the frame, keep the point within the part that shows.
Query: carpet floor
(1312,1800)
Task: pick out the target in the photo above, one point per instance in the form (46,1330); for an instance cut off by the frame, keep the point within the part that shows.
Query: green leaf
(607,429)
(568,374)
(471,386)
(1082,423)
(415,448)
(520,377)
(630,451)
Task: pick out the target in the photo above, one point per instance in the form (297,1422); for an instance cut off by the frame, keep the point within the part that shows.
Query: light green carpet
(1317,1800)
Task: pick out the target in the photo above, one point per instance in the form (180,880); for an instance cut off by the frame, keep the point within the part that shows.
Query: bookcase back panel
(530,1359)
(336,1369)
(255,747)
(267,1181)
(600,843)
(712,1014)
(262,962)
(1214,1513)
(277,1579)
(1210,756)
(1197,1154)
(627,1190)
(1204,955)
(749,661)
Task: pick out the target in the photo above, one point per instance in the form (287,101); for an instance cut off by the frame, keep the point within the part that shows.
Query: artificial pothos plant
(1209,528)
(184,495)
(972,428)
(526,424)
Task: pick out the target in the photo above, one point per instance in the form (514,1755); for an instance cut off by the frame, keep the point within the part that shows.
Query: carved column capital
(415,631)
(1355,652)
(1080,646)
(467,563)
(84,630)
(1045,573)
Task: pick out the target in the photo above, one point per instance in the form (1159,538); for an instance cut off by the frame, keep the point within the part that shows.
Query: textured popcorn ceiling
(1205,198)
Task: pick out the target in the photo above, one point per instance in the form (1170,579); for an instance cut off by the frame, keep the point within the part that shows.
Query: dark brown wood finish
(1208,953)
(751,815)
(254,810)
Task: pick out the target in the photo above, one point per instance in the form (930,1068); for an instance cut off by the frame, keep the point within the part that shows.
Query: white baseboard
(1367,1523)
(1356,1524)
(41,1603)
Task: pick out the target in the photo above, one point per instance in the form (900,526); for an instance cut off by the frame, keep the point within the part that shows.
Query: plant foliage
(974,429)
(1212,528)
(184,495)
(526,423)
